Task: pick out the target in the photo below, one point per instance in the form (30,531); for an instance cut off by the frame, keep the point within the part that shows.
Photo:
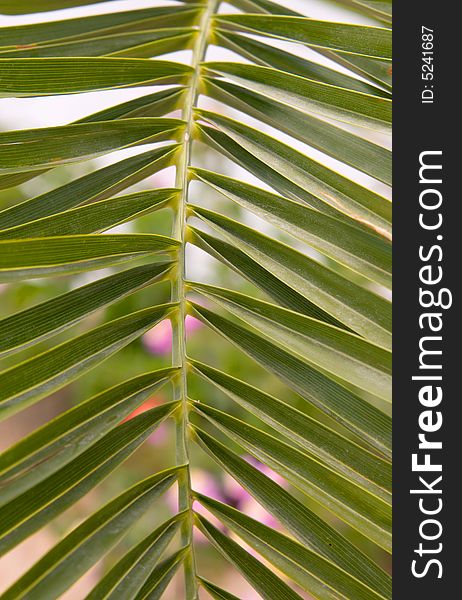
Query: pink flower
(158,340)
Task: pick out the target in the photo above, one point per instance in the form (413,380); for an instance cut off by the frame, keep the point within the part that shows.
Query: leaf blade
(304,524)
(33,379)
(359,309)
(338,452)
(259,576)
(41,257)
(373,42)
(363,511)
(45,76)
(79,550)
(350,410)
(37,506)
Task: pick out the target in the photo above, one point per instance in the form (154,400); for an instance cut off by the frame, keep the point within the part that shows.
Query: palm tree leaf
(216,592)
(153,105)
(362,251)
(298,519)
(373,69)
(99,216)
(93,26)
(309,95)
(359,309)
(351,149)
(337,352)
(259,576)
(311,572)
(150,105)
(338,452)
(45,76)
(131,45)
(35,507)
(261,277)
(305,109)
(126,577)
(264,6)
(99,185)
(41,257)
(38,376)
(62,439)
(269,56)
(341,404)
(86,544)
(11,7)
(296,176)
(377,71)
(379,9)
(53,146)
(363,511)
(161,576)
(348,38)
(41,321)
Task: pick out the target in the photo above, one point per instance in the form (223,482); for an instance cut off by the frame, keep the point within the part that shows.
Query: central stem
(178,295)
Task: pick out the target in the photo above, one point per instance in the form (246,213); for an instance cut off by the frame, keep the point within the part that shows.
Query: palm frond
(302,115)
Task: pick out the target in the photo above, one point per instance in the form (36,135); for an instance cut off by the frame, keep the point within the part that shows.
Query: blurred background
(153,350)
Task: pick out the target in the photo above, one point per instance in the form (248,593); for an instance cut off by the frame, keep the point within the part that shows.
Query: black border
(418,127)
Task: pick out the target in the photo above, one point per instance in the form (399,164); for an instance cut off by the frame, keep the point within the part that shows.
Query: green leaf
(91,540)
(244,265)
(129,574)
(59,441)
(358,308)
(296,176)
(309,306)
(310,571)
(150,105)
(161,576)
(270,56)
(11,7)
(264,6)
(216,592)
(298,519)
(373,69)
(338,452)
(351,149)
(34,508)
(40,375)
(53,146)
(13,179)
(96,217)
(260,577)
(98,185)
(347,38)
(341,404)
(139,44)
(45,76)
(39,322)
(345,356)
(95,25)
(41,257)
(363,511)
(342,104)
(379,9)
(360,250)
